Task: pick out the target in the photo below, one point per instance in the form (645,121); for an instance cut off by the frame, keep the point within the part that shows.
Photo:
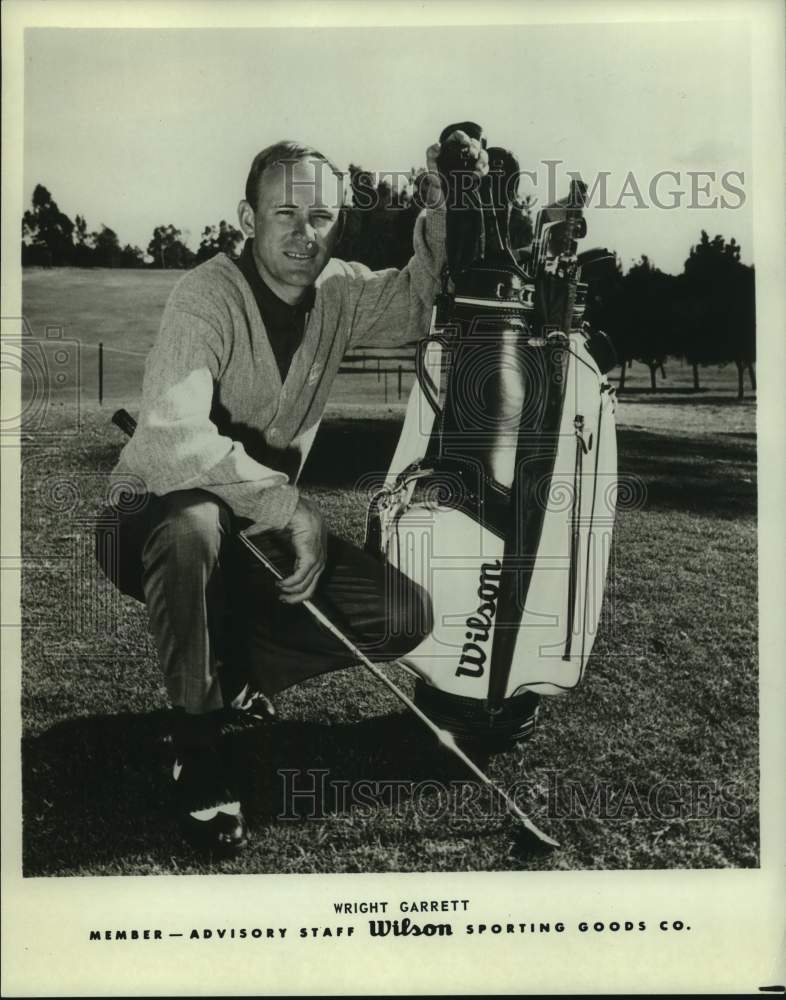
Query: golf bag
(500,497)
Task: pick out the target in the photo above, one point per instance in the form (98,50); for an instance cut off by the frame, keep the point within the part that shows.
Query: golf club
(445,738)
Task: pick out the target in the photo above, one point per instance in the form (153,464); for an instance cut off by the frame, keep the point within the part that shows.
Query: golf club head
(528,844)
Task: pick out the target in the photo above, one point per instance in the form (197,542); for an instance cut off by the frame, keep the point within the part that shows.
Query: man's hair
(280,152)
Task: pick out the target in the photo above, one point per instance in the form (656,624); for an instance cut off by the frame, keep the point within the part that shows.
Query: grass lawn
(122,309)
(669,701)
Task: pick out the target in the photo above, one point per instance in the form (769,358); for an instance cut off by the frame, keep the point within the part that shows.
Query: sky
(135,128)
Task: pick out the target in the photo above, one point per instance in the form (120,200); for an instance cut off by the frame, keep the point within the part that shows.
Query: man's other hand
(307,535)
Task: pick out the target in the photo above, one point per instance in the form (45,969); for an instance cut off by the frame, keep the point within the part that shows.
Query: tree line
(51,239)
(705,314)
(378,232)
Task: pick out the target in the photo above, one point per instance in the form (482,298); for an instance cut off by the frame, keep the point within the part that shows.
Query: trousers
(214,611)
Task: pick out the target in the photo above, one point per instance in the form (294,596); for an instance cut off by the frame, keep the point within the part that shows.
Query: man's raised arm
(392,307)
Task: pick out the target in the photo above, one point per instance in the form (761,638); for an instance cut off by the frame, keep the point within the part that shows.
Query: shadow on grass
(347,450)
(635,445)
(97,789)
(709,475)
(703,474)
(682,394)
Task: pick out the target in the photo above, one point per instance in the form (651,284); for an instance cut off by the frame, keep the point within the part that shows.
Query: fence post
(386,385)
(100,373)
(400,369)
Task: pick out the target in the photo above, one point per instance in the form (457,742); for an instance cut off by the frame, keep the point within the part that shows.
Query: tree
(716,308)
(363,188)
(694,336)
(106,248)
(223,238)
(83,243)
(168,250)
(741,326)
(415,183)
(607,310)
(132,256)
(648,308)
(46,229)
(35,253)
(380,223)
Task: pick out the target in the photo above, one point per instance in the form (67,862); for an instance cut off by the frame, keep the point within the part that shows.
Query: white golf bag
(500,497)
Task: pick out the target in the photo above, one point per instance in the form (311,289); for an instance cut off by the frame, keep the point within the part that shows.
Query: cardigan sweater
(215,414)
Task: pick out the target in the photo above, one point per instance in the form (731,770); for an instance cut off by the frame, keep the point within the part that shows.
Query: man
(233,393)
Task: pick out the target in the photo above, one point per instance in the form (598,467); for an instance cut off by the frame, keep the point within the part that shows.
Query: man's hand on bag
(469,151)
(308,538)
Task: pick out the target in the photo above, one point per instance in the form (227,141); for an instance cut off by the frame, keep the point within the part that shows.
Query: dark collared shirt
(284,323)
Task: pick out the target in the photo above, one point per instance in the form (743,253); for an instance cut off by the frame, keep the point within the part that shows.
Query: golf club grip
(123,419)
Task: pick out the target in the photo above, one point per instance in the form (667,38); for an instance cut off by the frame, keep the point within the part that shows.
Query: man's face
(294,224)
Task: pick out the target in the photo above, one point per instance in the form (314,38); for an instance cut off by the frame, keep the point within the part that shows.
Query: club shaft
(444,737)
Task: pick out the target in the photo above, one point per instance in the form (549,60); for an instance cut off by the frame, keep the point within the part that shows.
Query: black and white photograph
(393,402)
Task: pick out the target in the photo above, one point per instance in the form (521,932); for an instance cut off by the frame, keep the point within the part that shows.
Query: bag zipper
(581,449)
